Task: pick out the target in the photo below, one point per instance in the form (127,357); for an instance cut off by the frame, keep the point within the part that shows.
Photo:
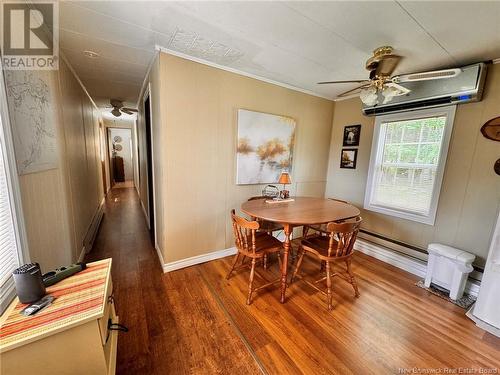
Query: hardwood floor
(193,321)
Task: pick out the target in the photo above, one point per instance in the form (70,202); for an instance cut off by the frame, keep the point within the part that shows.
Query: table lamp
(285,179)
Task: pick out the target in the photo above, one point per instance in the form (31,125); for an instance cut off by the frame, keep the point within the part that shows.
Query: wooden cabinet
(71,336)
(118,169)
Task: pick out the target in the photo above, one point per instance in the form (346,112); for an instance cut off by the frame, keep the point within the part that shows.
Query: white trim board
(183,263)
(408,264)
(481,323)
(239,72)
(160,257)
(146,96)
(72,70)
(145,82)
(146,216)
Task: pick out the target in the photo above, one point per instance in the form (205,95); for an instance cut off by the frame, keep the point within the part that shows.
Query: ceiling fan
(118,108)
(381,81)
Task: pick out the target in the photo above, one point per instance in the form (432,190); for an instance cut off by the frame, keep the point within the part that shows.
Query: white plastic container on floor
(448,268)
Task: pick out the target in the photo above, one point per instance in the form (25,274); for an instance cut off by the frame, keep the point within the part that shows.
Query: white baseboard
(414,266)
(145,214)
(178,264)
(160,257)
(481,323)
(386,255)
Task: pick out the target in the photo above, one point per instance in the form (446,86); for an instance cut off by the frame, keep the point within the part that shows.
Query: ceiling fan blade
(353,81)
(116,112)
(387,65)
(353,90)
(116,103)
(127,110)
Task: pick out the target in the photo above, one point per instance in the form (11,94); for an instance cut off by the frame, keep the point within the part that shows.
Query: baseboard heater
(411,251)
(93,229)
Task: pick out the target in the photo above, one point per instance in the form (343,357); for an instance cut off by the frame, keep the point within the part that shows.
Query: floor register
(74,335)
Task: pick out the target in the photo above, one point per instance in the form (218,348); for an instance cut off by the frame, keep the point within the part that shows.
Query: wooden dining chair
(337,246)
(320,228)
(266,226)
(255,245)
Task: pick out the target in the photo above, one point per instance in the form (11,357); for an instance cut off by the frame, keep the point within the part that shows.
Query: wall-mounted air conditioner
(464,85)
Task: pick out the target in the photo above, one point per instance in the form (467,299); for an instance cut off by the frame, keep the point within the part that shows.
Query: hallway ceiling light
(91,54)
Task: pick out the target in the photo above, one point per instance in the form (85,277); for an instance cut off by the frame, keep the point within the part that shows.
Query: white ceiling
(294,43)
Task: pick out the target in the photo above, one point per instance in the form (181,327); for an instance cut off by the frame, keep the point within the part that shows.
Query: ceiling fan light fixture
(369,96)
(391,90)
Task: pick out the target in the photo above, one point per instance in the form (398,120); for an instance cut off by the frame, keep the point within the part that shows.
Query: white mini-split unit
(435,89)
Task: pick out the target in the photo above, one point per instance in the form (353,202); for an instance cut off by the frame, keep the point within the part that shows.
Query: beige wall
(43,198)
(195,146)
(81,156)
(59,204)
(470,194)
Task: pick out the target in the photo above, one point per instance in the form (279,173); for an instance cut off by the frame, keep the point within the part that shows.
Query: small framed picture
(351,135)
(348,158)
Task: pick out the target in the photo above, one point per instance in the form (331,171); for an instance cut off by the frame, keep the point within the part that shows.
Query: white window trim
(8,293)
(449,112)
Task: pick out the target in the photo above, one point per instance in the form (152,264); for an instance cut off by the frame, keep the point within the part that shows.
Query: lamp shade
(285,178)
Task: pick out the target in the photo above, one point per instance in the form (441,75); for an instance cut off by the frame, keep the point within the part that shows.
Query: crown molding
(496,61)
(239,72)
(146,79)
(72,70)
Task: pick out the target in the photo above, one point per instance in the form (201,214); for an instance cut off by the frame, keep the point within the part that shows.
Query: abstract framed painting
(265,147)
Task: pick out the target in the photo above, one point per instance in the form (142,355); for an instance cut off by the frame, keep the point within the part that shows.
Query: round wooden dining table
(300,211)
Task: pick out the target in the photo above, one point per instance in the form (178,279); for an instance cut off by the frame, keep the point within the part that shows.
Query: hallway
(162,338)
(194,321)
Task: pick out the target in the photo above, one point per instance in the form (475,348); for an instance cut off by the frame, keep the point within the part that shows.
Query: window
(407,163)
(11,227)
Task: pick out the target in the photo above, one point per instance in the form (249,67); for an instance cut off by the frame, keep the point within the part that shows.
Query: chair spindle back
(244,232)
(343,236)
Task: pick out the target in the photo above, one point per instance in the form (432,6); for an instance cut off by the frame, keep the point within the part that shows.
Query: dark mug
(29,284)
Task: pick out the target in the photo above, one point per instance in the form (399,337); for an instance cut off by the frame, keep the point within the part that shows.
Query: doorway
(149,159)
(120,157)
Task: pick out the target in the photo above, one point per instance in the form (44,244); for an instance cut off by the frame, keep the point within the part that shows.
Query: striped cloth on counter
(77,299)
